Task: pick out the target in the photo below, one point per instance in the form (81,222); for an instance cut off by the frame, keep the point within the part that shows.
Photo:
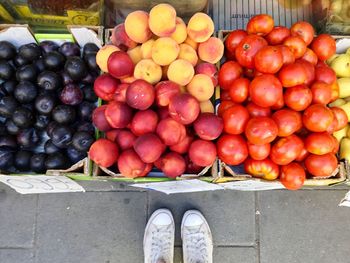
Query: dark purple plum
(64,114)
(54,60)
(9,141)
(76,68)
(50,128)
(40,65)
(66,78)
(86,127)
(44,104)
(11,127)
(69,49)
(37,162)
(28,138)
(56,161)
(85,110)
(41,122)
(82,141)
(71,95)
(20,61)
(6,70)
(26,73)
(90,60)
(48,46)
(7,50)
(89,94)
(62,136)
(22,160)
(25,92)
(30,51)
(9,86)
(74,155)
(89,78)
(23,117)
(90,48)
(50,148)
(6,157)
(8,105)
(49,80)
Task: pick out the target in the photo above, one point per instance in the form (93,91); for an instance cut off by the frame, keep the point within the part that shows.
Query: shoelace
(161,243)
(196,245)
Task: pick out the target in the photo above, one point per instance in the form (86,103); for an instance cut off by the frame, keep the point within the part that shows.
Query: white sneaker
(158,241)
(197,241)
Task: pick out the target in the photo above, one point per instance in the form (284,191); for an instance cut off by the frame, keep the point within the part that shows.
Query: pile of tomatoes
(275,88)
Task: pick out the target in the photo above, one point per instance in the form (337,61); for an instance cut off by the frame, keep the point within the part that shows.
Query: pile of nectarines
(157,84)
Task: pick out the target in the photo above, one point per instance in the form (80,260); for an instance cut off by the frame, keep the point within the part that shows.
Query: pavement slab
(91,227)
(17,217)
(303,226)
(16,255)
(230,214)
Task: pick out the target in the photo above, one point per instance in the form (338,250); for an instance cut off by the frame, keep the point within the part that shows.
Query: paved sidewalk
(106,224)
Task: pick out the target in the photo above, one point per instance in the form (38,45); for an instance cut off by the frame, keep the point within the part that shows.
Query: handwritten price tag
(39,184)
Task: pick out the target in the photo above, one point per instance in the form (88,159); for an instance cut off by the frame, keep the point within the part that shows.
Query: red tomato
(292,176)
(259,152)
(235,119)
(228,72)
(321,63)
(332,128)
(239,90)
(298,98)
(335,91)
(296,45)
(317,118)
(257,111)
(286,149)
(310,56)
(309,70)
(319,143)
(247,49)
(321,93)
(265,90)
(325,74)
(229,56)
(321,165)
(335,145)
(323,46)
(269,59)
(279,104)
(260,25)
(287,55)
(261,130)
(341,117)
(224,95)
(224,105)
(292,75)
(277,35)
(304,153)
(288,122)
(232,149)
(232,41)
(304,30)
(265,169)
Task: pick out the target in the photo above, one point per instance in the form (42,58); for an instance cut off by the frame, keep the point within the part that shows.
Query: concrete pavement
(106,224)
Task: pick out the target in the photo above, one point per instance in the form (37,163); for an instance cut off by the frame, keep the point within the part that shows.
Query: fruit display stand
(18,35)
(228,173)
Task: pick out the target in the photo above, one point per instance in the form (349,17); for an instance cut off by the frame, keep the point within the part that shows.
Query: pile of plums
(46,103)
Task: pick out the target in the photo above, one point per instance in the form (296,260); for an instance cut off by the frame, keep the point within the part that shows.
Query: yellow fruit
(337,103)
(341,133)
(345,149)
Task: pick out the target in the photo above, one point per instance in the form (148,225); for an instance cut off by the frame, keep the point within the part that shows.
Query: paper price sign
(38,184)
